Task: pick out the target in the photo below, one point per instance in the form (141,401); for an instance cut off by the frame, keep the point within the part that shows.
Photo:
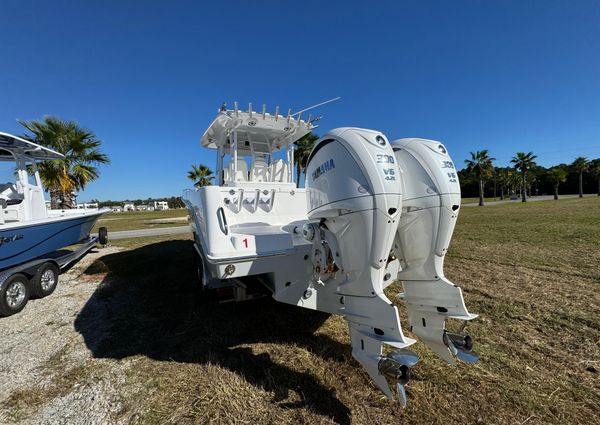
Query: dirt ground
(126,339)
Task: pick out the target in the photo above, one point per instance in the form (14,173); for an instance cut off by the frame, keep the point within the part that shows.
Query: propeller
(461,346)
(396,367)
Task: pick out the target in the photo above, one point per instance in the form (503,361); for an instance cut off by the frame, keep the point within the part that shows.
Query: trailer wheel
(103,236)
(45,280)
(14,294)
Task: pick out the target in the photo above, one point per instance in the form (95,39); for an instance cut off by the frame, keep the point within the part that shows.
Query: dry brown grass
(531,271)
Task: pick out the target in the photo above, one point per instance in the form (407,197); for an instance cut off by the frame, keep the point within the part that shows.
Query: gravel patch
(47,374)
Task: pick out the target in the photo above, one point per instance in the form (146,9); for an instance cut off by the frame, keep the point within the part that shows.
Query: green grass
(530,270)
(476,200)
(134,220)
(550,235)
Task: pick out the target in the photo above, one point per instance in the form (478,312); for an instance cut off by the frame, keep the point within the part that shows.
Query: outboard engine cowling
(431,203)
(354,191)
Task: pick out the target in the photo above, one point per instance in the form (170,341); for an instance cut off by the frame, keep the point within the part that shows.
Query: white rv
(161,205)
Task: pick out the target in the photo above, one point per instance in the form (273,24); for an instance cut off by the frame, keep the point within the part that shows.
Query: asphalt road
(126,234)
(532,199)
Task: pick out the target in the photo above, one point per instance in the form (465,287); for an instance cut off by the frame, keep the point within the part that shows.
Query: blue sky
(148,76)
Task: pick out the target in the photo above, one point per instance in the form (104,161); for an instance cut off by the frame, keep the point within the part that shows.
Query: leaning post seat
(259,171)
(279,171)
(242,171)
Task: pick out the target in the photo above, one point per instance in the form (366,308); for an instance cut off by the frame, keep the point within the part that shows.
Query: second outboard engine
(365,237)
(430,208)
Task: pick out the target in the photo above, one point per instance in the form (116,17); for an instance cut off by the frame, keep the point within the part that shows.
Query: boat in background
(27,228)
(30,234)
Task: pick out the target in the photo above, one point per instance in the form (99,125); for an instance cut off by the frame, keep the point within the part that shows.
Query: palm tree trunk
(581,184)
(54,199)
(598,186)
(481,192)
(555,191)
(501,193)
(68,200)
(524,189)
(298,170)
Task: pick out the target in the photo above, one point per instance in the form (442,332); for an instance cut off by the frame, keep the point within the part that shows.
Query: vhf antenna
(317,105)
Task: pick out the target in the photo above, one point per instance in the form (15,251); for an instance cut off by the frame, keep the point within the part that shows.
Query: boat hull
(33,240)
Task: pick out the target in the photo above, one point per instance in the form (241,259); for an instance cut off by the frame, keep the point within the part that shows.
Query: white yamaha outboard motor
(355,194)
(430,208)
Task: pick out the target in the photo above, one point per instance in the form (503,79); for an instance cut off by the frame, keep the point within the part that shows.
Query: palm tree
(81,149)
(534,176)
(201,175)
(524,162)
(556,175)
(480,165)
(580,165)
(303,149)
(505,178)
(595,170)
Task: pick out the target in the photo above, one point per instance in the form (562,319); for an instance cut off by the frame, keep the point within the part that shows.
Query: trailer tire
(103,236)
(45,280)
(14,294)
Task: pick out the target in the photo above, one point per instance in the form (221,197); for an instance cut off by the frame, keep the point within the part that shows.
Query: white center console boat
(30,234)
(373,212)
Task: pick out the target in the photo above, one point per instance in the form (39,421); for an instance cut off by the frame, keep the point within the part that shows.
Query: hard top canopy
(258,132)
(11,146)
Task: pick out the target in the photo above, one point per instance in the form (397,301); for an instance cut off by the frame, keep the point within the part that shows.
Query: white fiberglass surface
(256,229)
(53,215)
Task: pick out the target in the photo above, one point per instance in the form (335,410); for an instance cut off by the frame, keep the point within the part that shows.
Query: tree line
(480,178)
(172,201)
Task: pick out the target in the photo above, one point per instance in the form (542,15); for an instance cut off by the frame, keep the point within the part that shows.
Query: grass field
(532,272)
(133,220)
(476,200)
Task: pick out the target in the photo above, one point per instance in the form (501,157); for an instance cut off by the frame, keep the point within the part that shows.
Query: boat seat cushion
(279,171)
(242,170)
(260,170)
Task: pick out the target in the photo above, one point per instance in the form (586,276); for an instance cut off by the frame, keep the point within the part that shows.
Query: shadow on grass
(149,304)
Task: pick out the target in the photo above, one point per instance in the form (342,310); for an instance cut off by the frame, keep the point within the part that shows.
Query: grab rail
(222,220)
